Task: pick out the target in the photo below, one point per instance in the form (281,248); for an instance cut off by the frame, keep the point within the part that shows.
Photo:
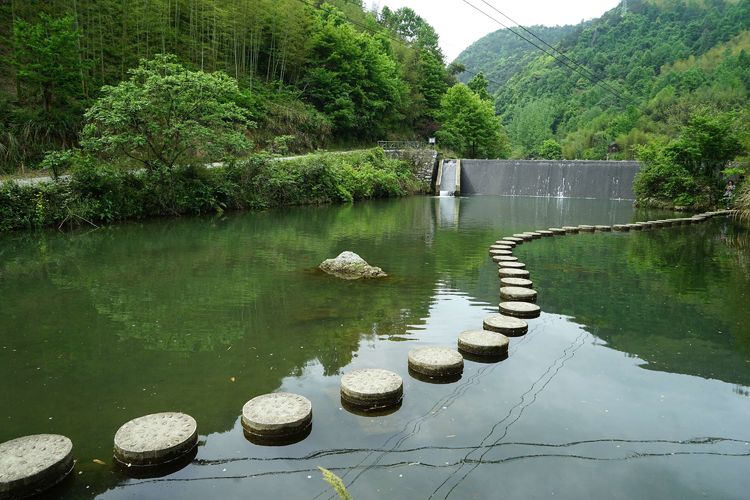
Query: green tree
(550,150)
(531,126)
(479,85)
(45,57)
(469,125)
(165,115)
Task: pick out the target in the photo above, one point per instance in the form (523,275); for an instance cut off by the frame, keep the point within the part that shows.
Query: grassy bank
(96,194)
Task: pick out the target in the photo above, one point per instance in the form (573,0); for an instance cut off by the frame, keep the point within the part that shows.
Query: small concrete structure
(520,309)
(517,293)
(516,240)
(586,229)
(516,282)
(508,272)
(372,388)
(534,234)
(545,232)
(277,416)
(350,266)
(514,265)
(504,258)
(524,236)
(635,227)
(436,361)
(155,439)
(620,228)
(483,343)
(501,247)
(602,228)
(32,464)
(507,325)
(571,229)
(557,231)
(645,225)
(501,252)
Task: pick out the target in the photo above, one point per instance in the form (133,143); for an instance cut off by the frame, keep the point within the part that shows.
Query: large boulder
(350,266)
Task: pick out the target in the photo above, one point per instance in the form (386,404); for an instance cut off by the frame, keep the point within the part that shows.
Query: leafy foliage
(165,115)
(470,127)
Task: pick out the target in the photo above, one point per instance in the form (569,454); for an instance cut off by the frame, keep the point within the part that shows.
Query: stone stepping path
(155,439)
(280,416)
(372,388)
(483,343)
(436,361)
(517,293)
(507,325)
(517,282)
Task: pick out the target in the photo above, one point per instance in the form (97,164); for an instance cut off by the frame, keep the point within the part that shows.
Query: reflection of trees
(672,296)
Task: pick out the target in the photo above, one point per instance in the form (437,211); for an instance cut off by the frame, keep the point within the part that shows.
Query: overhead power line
(594,80)
(555,49)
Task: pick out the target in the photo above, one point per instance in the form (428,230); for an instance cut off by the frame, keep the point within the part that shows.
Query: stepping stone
(507,325)
(514,239)
(545,232)
(534,234)
(483,343)
(520,309)
(509,272)
(281,415)
(517,293)
(501,247)
(514,265)
(586,229)
(504,258)
(436,361)
(372,388)
(506,242)
(524,236)
(501,252)
(32,464)
(621,227)
(634,227)
(155,439)
(603,229)
(516,282)
(557,231)
(571,229)
(645,225)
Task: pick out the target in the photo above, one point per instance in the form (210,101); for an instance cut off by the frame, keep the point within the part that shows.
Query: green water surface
(634,382)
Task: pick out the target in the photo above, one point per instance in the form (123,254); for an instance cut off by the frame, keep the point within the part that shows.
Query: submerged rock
(350,266)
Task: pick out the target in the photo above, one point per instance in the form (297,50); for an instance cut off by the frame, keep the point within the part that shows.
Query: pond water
(633,383)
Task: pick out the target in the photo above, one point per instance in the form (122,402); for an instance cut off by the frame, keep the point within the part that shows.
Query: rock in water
(350,266)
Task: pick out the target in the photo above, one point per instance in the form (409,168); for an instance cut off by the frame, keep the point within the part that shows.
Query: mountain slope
(501,54)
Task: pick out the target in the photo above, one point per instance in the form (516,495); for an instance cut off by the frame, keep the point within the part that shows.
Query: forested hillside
(310,73)
(647,66)
(502,54)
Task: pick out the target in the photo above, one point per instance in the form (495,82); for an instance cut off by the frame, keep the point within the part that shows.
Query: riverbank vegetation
(98,193)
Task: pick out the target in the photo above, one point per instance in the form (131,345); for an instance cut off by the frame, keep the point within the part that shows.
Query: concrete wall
(423,161)
(549,178)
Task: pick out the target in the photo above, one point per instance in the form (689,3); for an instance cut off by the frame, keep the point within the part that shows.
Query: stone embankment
(32,464)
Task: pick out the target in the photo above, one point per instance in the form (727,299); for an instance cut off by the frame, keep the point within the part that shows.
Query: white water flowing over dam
(609,180)
(448,178)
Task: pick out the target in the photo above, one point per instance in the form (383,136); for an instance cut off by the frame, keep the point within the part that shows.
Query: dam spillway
(612,180)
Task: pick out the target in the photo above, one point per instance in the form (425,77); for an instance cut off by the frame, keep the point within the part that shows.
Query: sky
(459,25)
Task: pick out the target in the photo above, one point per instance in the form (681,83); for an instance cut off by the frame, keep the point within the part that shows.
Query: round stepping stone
(514,239)
(155,439)
(31,464)
(520,309)
(524,236)
(509,272)
(620,227)
(516,282)
(372,388)
(644,225)
(571,229)
(546,233)
(517,293)
(506,241)
(514,265)
(436,361)
(277,415)
(507,325)
(635,227)
(504,258)
(483,343)
(558,231)
(501,247)
(501,252)
(586,229)
(603,229)
(534,234)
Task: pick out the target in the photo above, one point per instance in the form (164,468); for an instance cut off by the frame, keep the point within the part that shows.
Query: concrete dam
(609,180)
